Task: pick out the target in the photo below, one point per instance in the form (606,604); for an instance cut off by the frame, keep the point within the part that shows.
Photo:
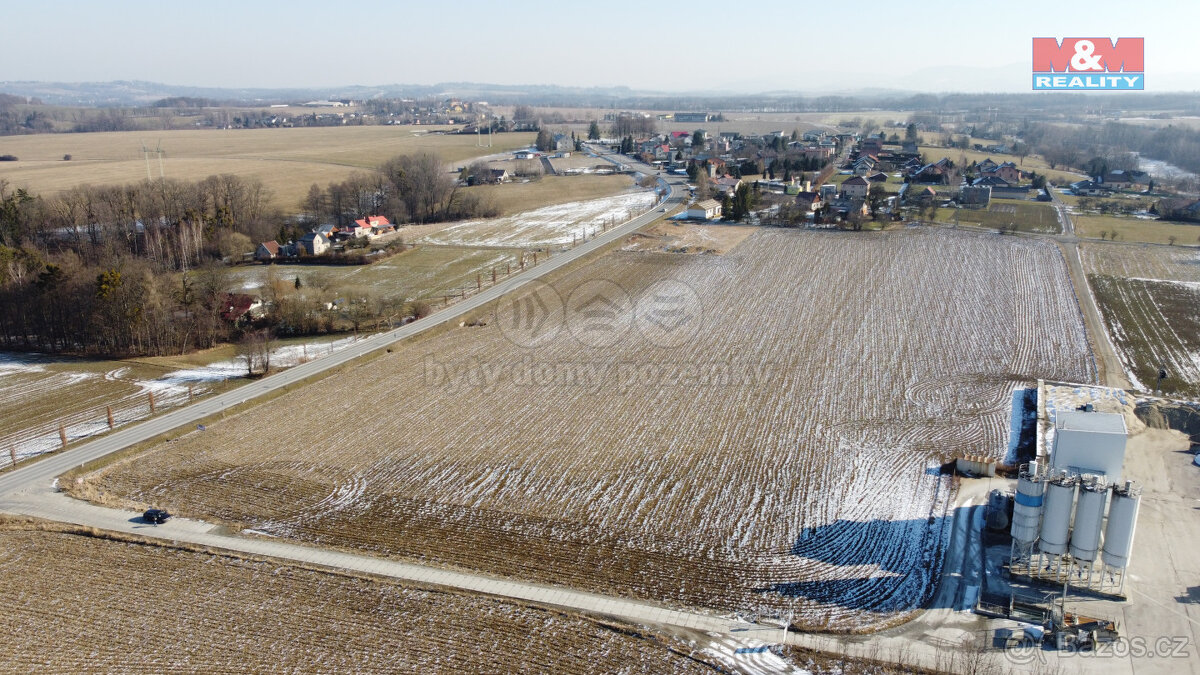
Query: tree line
(139,269)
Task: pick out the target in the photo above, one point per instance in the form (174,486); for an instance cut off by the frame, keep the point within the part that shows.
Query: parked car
(156,516)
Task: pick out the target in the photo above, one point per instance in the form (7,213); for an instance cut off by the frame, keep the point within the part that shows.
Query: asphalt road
(43,471)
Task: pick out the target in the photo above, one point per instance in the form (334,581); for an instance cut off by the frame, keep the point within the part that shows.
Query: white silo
(1089,517)
(1027,505)
(1056,515)
(1122,519)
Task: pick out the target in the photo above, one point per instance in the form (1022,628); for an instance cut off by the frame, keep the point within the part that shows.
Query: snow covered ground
(548,226)
(812,483)
(80,397)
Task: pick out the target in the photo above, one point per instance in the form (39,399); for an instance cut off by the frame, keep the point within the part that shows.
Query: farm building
(704,210)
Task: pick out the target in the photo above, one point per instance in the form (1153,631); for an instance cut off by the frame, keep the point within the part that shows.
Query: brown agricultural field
(762,430)
(288,161)
(1154,324)
(1149,297)
(77,603)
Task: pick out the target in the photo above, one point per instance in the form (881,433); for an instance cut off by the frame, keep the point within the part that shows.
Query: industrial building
(1073,518)
(1089,443)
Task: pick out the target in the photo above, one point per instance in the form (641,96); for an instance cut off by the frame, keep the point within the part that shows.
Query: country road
(45,469)
(1111,373)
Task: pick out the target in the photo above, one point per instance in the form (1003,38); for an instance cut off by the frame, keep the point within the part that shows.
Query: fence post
(150,394)
(108,409)
(12,452)
(493,276)
(62,435)
(478,282)
(190,396)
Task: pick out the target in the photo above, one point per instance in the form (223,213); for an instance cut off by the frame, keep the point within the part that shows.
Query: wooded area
(139,269)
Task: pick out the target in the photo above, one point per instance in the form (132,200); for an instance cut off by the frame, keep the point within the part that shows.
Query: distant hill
(138,93)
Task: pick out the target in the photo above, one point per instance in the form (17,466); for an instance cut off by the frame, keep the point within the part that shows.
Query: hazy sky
(696,45)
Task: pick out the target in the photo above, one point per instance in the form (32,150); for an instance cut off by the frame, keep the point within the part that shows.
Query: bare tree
(422,184)
(255,348)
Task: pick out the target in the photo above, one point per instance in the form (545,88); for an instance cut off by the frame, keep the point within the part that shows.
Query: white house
(314,243)
(704,210)
(855,187)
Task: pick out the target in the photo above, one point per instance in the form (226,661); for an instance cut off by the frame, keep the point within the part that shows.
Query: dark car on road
(156,516)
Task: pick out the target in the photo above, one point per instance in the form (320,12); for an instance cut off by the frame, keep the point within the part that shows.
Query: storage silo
(1027,505)
(1089,517)
(1056,515)
(1122,519)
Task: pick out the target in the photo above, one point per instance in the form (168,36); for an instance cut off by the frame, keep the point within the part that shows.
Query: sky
(697,46)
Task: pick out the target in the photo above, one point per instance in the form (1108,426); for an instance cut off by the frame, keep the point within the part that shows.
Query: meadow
(1002,214)
(287,160)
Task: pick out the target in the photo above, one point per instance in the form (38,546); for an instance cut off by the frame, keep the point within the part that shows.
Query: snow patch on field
(90,418)
(548,226)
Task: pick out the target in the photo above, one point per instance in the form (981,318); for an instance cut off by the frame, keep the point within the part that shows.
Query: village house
(864,165)
(373,226)
(811,201)
(1089,188)
(872,145)
(726,185)
(975,196)
(845,207)
(1009,172)
(267,251)
(707,209)
(855,187)
(933,173)
(239,308)
(1121,179)
(313,243)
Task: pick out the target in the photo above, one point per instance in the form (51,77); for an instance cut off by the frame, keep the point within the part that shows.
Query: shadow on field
(889,565)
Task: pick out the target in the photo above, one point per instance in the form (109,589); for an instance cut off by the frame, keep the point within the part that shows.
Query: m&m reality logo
(1088,63)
